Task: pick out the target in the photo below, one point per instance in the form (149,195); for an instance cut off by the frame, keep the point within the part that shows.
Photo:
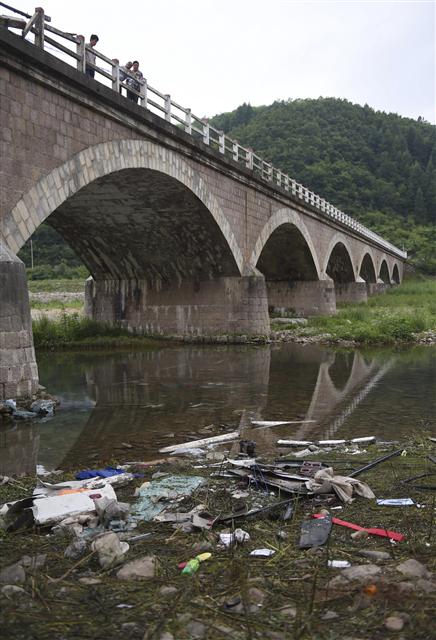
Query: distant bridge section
(184,231)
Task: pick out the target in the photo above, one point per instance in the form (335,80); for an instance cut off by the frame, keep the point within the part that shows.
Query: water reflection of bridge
(141,397)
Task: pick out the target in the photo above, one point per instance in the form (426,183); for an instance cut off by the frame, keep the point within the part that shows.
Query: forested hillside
(380,168)
(377,167)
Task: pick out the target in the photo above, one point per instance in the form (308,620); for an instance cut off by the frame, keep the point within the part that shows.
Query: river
(125,406)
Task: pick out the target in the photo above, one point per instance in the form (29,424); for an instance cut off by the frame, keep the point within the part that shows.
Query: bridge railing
(72,49)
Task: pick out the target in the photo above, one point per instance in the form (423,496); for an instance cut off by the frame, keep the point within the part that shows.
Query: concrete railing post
(222,142)
(116,75)
(81,52)
(143,93)
(249,160)
(206,133)
(188,121)
(168,108)
(39,27)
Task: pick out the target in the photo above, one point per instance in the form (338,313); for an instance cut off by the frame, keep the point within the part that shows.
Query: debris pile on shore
(217,541)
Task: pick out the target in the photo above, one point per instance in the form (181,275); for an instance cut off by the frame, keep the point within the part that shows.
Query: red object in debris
(384,533)
(182,565)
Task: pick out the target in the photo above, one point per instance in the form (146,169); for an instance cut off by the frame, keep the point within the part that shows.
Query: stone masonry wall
(302,298)
(18,370)
(209,308)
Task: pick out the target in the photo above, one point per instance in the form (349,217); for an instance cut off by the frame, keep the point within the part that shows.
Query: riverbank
(389,587)
(403,315)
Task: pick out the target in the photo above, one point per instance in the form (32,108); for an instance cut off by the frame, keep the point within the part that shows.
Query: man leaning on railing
(90,56)
(134,80)
(124,72)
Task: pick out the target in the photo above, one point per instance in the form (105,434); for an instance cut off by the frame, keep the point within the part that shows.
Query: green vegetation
(56,304)
(72,330)
(379,168)
(396,316)
(56,286)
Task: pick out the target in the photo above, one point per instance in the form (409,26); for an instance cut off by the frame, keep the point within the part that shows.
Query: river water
(125,406)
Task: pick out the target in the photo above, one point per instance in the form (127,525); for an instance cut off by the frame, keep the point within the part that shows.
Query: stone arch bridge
(180,238)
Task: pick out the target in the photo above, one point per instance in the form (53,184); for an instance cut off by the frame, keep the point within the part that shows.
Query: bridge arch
(367,268)
(338,261)
(287,221)
(97,163)
(395,274)
(384,272)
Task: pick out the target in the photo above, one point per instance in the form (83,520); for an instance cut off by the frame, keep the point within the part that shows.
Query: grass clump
(72,330)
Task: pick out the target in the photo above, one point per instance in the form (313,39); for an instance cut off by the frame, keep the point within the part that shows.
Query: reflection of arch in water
(337,423)
(326,396)
(340,369)
(19,444)
(143,396)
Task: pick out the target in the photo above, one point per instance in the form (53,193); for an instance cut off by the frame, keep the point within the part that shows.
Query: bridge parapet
(72,48)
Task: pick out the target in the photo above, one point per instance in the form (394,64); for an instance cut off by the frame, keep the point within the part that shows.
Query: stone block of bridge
(18,369)
(231,306)
(304,298)
(351,291)
(376,288)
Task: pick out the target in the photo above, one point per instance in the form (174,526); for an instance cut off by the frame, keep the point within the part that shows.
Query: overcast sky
(214,55)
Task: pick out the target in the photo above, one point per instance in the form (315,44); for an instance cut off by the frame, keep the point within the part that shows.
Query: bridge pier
(197,308)
(18,369)
(305,298)
(375,288)
(351,291)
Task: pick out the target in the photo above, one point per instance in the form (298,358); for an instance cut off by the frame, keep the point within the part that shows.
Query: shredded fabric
(324,481)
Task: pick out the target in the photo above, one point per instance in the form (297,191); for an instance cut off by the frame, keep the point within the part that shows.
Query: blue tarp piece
(107,472)
(158,495)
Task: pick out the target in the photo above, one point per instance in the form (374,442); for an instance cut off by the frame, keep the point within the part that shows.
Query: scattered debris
(338,564)
(248,447)
(236,536)
(384,533)
(226,437)
(325,481)
(278,423)
(192,566)
(325,443)
(395,502)
(374,463)
(262,553)
(156,496)
(315,533)
(43,407)
(52,505)
(109,549)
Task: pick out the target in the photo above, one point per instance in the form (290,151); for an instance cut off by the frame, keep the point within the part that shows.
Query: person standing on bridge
(135,82)
(124,72)
(90,56)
